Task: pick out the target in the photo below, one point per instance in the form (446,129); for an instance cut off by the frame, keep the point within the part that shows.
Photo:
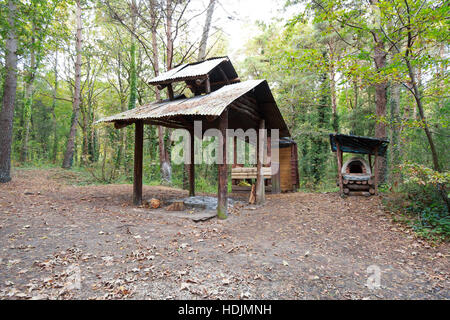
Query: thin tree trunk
(9,95)
(55,124)
(28,100)
(395,149)
(169,39)
(380,102)
(162,153)
(332,75)
(68,156)
(133,76)
(206,28)
(418,98)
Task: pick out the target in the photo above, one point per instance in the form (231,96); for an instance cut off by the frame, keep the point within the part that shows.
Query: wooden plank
(285,169)
(260,191)
(222,192)
(138,152)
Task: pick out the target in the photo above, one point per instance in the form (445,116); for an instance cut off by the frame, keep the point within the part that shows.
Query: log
(176,206)
(345,181)
(252,197)
(346,190)
(372,191)
(358,187)
(359,193)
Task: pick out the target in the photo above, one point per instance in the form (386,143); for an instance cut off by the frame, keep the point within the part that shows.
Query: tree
(9,94)
(205,33)
(68,156)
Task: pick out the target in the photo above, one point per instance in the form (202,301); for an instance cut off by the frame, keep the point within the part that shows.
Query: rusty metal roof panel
(212,104)
(189,70)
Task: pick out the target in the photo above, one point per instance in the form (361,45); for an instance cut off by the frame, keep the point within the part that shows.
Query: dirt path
(61,242)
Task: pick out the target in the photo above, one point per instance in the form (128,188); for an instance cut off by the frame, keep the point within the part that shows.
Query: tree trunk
(55,124)
(9,95)
(205,34)
(380,102)
(169,39)
(28,100)
(332,74)
(395,149)
(133,76)
(68,156)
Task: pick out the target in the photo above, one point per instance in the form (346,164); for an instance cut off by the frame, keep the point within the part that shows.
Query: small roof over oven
(358,144)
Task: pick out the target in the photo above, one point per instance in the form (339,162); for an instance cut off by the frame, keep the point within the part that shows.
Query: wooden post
(275,166)
(170,91)
(222,192)
(375,164)
(260,189)
(339,161)
(192,165)
(208,85)
(138,150)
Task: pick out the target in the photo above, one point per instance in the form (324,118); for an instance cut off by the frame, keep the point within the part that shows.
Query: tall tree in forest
(70,148)
(348,15)
(413,24)
(205,33)
(133,76)
(41,14)
(9,94)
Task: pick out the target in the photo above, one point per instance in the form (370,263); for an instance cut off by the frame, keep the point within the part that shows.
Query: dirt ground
(60,241)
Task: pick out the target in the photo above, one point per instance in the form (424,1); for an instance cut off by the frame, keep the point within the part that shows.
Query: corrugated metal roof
(212,104)
(358,144)
(189,70)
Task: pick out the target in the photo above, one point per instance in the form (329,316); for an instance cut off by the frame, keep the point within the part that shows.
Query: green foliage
(421,208)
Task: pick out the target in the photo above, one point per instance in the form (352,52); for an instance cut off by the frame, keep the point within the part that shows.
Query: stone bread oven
(356,168)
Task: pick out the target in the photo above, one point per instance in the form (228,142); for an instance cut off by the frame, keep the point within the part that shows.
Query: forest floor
(62,241)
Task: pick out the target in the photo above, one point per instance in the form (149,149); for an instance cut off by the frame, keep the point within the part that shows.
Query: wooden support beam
(170,91)
(221,83)
(224,75)
(249,107)
(248,114)
(138,151)
(208,85)
(339,161)
(222,192)
(376,165)
(250,102)
(162,86)
(260,190)
(192,165)
(121,124)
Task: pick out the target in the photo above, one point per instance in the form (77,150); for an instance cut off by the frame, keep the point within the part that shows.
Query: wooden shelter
(357,176)
(220,101)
